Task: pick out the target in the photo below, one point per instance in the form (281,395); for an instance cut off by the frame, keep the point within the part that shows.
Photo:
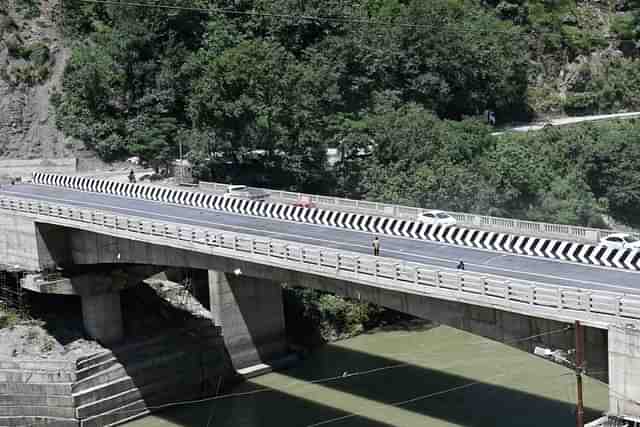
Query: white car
(620,241)
(244,192)
(436,218)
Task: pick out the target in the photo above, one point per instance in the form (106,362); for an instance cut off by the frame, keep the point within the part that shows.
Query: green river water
(437,377)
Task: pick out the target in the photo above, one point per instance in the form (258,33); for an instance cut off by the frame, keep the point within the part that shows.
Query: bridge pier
(624,372)
(102,317)
(250,314)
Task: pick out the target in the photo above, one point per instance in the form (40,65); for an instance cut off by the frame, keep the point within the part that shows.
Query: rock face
(32,60)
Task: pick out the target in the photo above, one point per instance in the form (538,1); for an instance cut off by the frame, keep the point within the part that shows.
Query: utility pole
(180,170)
(579,362)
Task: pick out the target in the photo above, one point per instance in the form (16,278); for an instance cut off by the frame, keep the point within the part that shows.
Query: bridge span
(248,257)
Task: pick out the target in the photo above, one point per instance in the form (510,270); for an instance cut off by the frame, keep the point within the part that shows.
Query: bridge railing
(481,289)
(491,223)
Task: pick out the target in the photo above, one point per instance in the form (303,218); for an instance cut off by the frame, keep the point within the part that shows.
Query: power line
(337,19)
(340,19)
(424,397)
(312,382)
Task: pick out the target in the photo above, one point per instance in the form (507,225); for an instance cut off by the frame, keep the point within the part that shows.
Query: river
(435,377)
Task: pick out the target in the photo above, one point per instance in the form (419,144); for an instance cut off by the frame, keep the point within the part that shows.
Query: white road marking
(344,243)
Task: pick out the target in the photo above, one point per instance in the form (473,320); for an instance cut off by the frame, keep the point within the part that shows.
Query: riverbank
(436,377)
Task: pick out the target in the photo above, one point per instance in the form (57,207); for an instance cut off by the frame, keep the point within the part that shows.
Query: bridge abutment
(250,313)
(102,317)
(624,372)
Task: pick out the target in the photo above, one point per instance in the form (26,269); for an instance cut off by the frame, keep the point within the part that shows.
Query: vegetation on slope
(393,85)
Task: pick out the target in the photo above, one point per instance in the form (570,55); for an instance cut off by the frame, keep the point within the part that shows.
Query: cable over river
(433,377)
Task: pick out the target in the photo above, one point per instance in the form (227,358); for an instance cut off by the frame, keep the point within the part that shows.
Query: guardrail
(491,223)
(482,289)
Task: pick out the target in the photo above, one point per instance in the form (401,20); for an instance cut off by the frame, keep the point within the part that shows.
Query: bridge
(250,248)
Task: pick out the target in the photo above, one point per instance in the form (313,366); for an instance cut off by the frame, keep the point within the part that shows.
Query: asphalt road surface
(435,254)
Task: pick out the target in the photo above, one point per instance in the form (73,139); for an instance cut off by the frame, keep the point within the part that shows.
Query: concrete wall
(18,242)
(24,168)
(624,372)
(30,245)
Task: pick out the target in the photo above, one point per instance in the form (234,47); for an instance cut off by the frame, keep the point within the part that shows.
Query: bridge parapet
(592,307)
(483,222)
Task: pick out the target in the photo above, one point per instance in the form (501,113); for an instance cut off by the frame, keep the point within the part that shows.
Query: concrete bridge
(248,258)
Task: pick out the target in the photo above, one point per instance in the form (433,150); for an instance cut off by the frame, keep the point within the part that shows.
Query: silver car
(436,217)
(244,192)
(620,241)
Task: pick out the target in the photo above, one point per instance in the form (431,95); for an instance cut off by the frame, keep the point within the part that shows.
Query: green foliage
(584,103)
(8,319)
(309,311)
(29,9)
(625,26)
(554,175)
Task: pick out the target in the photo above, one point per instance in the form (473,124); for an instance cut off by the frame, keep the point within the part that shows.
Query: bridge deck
(426,252)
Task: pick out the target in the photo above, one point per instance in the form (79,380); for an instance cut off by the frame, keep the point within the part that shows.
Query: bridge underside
(246,303)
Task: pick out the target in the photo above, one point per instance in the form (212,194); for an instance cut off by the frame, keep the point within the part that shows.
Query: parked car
(304,202)
(244,192)
(436,217)
(620,241)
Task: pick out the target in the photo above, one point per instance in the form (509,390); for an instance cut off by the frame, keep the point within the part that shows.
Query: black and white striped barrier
(521,245)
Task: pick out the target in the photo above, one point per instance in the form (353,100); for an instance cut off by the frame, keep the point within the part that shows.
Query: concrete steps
(140,375)
(37,411)
(89,361)
(140,407)
(96,368)
(38,421)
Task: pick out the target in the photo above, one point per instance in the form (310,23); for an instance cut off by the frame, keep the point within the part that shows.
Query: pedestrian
(461,265)
(132,177)
(376,246)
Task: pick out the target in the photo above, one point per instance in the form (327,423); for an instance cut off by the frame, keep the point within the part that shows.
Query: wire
(338,19)
(308,383)
(424,397)
(484,342)
(343,19)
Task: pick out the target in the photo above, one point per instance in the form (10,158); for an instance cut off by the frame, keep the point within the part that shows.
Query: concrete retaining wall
(114,385)
(25,168)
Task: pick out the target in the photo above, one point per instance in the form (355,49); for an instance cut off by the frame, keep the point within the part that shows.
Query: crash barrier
(594,307)
(482,239)
(484,222)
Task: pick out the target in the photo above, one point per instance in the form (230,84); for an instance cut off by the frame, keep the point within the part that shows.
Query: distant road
(569,121)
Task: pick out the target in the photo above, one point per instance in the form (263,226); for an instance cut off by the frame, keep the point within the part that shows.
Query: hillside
(255,91)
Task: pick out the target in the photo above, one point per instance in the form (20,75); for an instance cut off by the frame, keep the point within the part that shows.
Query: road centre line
(348,244)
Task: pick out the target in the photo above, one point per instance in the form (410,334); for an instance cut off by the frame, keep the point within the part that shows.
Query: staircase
(130,381)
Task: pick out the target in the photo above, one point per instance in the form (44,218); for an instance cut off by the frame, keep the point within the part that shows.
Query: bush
(28,8)
(39,54)
(581,104)
(582,41)
(314,316)
(624,26)
(8,319)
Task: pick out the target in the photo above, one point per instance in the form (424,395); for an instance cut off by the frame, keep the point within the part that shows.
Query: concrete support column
(249,311)
(102,317)
(624,372)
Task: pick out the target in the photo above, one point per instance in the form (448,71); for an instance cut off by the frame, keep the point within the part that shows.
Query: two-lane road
(431,253)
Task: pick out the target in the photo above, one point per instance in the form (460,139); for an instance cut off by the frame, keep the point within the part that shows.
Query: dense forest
(257,90)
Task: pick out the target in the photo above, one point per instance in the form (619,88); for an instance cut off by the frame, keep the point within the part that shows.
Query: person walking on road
(132,177)
(461,265)
(376,246)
